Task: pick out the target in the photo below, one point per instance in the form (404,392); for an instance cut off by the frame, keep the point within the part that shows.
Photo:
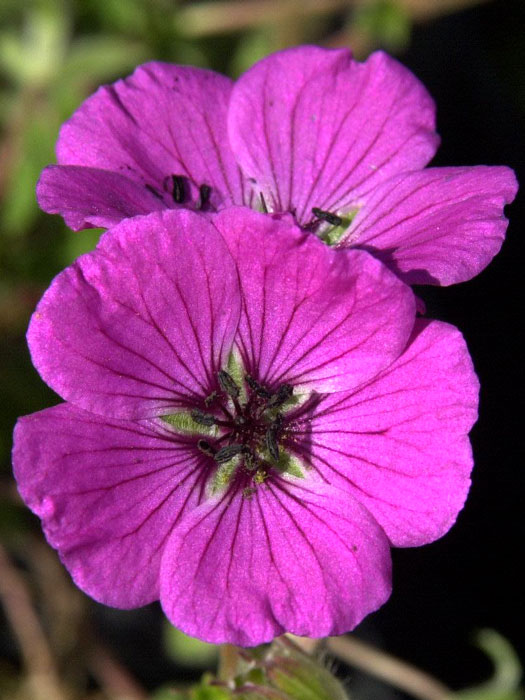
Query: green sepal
(299,676)
(281,671)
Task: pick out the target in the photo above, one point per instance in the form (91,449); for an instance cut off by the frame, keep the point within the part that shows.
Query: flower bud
(300,676)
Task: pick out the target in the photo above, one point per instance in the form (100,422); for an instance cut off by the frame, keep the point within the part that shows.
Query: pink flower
(339,144)
(247,428)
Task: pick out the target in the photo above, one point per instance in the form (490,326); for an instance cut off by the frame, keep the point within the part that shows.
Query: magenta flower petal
(163,120)
(400,445)
(109,493)
(313,316)
(140,325)
(314,128)
(90,197)
(307,131)
(206,508)
(436,226)
(295,557)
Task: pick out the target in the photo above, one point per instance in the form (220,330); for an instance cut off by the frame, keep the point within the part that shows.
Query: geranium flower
(338,144)
(247,428)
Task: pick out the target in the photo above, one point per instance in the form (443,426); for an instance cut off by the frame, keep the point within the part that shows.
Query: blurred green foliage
(188,651)
(506,678)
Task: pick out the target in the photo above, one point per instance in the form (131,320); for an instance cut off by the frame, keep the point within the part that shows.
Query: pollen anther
(327,216)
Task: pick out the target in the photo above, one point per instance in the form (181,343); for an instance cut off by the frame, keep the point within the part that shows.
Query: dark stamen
(153,191)
(228,452)
(203,418)
(327,216)
(263,203)
(205,447)
(278,422)
(271,443)
(204,196)
(257,388)
(227,384)
(281,396)
(178,189)
(210,399)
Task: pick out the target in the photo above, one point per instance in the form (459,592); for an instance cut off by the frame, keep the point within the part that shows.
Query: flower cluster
(253,413)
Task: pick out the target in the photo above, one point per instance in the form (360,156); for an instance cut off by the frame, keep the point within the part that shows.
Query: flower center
(252,425)
(244,429)
(329,226)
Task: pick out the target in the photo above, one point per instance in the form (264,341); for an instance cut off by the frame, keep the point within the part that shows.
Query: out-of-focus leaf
(33,57)
(9,9)
(94,59)
(76,244)
(6,105)
(504,684)
(170,694)
(251,48)
(188,651)
(186,52)
(202,691)
(128,17)
(386,22)
(210,692)
(19,207)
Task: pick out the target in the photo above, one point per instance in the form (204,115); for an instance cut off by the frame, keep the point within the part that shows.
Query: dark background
(473,63)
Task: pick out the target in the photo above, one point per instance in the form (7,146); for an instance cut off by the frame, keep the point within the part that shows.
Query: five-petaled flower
(339,144)
(247,428)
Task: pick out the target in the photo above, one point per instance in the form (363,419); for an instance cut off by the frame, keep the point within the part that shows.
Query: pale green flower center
(244,428)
